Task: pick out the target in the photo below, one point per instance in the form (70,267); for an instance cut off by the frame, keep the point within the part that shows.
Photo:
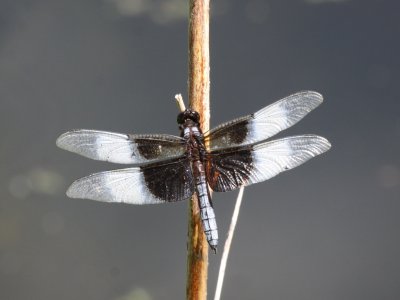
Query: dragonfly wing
(121,148)
(168,181)
(230,169)
(264,123)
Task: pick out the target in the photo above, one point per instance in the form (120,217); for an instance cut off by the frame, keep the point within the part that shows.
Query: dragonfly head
(188,117)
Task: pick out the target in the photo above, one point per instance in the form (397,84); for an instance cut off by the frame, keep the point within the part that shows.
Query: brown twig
(199,100)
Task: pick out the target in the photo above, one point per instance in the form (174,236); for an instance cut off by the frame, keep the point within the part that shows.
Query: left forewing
(121,148)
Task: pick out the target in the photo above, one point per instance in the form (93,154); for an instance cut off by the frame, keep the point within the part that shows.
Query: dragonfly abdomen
(207,214)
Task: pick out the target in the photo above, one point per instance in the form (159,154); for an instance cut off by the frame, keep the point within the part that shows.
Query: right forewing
(264,123)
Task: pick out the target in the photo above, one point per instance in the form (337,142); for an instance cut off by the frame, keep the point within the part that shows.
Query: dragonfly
(167,168)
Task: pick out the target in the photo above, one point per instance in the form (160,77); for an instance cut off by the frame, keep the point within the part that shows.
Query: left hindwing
(168,181)
(229,169)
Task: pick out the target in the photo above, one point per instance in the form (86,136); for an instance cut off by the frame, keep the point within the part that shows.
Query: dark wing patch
(229,170)
(171,181)
(232,133)
(158,146)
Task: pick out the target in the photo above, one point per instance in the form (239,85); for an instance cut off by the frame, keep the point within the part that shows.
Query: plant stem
(199,100)
(228,243)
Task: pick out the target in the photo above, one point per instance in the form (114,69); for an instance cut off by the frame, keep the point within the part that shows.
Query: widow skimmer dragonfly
(169,168)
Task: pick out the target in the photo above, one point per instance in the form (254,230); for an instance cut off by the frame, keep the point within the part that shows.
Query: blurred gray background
(326,230)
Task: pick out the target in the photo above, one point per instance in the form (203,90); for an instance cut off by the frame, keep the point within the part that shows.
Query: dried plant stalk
(227,247)
(199,100)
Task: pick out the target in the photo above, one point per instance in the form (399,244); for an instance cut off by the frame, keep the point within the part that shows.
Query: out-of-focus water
(326,230)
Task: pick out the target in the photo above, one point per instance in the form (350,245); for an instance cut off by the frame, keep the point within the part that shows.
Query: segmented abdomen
(206,210)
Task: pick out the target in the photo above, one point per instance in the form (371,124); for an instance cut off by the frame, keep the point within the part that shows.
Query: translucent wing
(168,181)
(121,148)
(265,122)
(230,169)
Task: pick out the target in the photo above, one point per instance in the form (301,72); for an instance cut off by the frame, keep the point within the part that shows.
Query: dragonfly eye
(195,116)
(181,118)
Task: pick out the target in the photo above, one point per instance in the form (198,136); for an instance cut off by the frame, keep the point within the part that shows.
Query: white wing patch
(99,145)
(124,185)
(272,158)
(282,114)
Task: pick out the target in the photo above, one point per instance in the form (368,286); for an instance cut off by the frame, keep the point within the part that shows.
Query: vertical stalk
(228,243)
(199,100)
